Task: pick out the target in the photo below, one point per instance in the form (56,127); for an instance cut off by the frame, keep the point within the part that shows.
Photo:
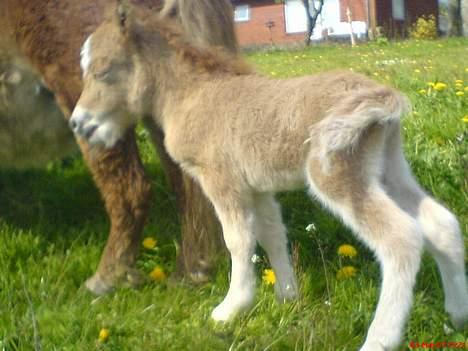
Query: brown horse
(50,34)
(24,141)
(244,137)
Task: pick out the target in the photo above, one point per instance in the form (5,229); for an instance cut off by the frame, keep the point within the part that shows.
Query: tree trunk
(464,13)
(455,20)
(310,29)
(312,14)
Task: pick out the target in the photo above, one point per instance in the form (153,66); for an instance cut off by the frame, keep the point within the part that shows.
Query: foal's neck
(174,81)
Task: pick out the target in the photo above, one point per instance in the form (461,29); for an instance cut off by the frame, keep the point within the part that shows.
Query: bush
(425,28)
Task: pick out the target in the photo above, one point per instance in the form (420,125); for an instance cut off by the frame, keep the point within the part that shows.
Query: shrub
(425,28)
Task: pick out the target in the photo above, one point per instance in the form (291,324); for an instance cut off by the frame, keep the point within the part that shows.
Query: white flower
(256,259)
(311,227)
(447,330)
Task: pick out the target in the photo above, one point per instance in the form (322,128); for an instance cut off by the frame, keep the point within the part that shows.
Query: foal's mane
(206,59)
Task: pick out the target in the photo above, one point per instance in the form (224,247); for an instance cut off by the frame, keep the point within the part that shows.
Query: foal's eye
(102,75)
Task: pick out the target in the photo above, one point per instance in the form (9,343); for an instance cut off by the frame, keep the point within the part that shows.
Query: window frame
(399,10)
(246,17)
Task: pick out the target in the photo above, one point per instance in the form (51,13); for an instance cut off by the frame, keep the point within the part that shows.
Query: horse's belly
(276,181)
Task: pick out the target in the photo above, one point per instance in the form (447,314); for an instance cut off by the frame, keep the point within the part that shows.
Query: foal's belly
(276,181)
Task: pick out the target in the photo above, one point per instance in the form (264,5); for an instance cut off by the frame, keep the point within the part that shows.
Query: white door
(295,16)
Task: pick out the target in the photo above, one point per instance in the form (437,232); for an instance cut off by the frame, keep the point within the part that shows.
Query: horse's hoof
(98,286)
(127,278)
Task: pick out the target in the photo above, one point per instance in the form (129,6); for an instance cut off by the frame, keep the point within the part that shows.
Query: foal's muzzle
(80,123)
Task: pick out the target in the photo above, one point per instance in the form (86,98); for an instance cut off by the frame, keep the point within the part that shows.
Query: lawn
(53,228)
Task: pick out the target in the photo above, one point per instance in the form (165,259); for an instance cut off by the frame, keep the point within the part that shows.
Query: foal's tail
(347,121)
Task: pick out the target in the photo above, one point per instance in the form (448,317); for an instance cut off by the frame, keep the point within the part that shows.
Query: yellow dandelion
(103,335)
(459,93)
(465,119)
(439,86)
(149,243)
(347,250)
(269,276)
(422,91)
(465,89)
(273,73)
(458,81)
(376,74)
(417,71)
(346,272)
(466,69)
(157,274)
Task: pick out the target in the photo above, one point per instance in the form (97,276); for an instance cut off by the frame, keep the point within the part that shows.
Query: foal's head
(115,86)
(120,61)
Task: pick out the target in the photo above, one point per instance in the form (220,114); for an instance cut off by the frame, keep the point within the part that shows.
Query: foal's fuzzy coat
(244,137)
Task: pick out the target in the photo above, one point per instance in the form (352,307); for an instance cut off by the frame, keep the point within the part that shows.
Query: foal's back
(260,125)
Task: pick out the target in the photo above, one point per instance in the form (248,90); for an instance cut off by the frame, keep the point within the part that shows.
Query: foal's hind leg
(236,214)
(440,229)
(271,235)
(350,189)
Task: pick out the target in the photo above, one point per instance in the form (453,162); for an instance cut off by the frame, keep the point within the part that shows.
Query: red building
(260,22)
(394,16)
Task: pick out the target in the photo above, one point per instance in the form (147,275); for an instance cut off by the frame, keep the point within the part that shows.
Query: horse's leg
(236,212)
(352,189)
(271,235)
(126,192)
(201,231)
(441,230)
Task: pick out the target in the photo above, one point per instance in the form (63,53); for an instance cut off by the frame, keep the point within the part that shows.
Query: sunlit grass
(53,229)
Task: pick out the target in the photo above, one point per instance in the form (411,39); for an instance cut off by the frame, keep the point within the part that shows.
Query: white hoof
(373,346)
(223,313)
(286,292)
(459,320)
(229,309)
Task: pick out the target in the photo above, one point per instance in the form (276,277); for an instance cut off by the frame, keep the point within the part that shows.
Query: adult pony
(49,34)
(24,141)
(244,137)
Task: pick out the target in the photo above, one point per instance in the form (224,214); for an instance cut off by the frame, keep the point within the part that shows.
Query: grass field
(53,229)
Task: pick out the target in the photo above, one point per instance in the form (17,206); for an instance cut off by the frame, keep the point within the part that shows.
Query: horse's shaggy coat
(25,141)
(244,137)
(49,34)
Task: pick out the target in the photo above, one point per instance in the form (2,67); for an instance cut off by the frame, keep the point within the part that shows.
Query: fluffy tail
(346,122)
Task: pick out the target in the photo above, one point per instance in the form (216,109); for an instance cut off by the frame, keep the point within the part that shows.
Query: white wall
(329,20)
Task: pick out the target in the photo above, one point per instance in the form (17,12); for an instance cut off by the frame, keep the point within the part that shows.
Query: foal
(244,137)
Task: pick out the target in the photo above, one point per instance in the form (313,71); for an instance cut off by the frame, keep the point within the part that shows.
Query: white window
(398,9)
(241,13)
(295,16)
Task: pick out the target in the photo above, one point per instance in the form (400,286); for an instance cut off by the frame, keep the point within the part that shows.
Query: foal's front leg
(235,211)
(271,235)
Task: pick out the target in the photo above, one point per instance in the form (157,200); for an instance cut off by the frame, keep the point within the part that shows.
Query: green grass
(53,228)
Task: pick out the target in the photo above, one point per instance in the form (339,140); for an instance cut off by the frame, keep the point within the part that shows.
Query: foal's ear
(124,16)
